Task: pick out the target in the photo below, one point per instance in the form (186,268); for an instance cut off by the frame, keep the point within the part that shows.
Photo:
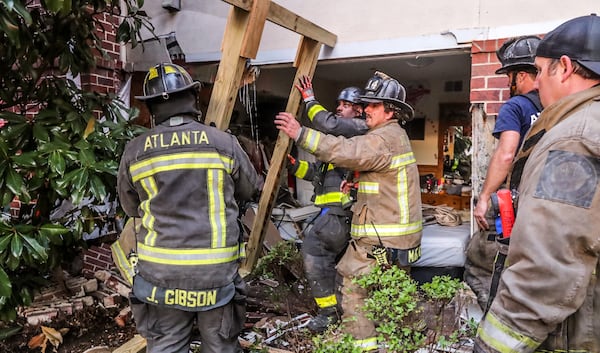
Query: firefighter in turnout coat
(328,237)
(184,180)
(387,213)
(548,299)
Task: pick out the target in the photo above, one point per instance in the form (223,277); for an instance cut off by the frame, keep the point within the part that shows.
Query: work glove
(306,89)
(291,166)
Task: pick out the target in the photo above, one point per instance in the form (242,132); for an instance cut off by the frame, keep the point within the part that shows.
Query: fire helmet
(383,88)
(165,79)
(350,94)
(517,54)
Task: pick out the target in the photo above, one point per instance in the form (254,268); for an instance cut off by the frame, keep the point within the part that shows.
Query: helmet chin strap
(513,84)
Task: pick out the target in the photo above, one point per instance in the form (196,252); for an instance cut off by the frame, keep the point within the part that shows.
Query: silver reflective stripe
(403,160)
(385,230)
(368,187)
(188,257)
(216,208)
(176,161)
(403,202)
(502,338)
(367,344)
(312,140)
(149,185)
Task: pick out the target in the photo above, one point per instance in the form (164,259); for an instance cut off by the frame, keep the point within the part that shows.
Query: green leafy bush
(58,143)
(397,305)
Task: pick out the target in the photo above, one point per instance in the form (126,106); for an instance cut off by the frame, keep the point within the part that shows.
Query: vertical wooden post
(305,63)
(240,42)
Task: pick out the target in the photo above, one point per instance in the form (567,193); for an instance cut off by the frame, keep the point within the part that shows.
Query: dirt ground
(94,327)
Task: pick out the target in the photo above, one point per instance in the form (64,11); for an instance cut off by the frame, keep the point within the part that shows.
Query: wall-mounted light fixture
(171,5)
(420,61)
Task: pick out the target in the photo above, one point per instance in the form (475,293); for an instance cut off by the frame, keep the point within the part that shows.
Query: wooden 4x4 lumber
(287,19)
(242,36)
(305,63)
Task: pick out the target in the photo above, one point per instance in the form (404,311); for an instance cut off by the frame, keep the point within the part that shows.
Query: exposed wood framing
(287,19)
(305,63)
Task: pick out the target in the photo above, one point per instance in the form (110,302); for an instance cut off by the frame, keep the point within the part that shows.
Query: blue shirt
(516,114)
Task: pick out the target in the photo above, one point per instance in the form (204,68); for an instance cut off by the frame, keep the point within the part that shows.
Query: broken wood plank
(306,62)
(135,345)
(138,345)
(289,20)
(256,25)
(246,344)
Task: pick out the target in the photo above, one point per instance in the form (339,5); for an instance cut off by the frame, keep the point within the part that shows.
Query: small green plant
(408,317)
(281,255)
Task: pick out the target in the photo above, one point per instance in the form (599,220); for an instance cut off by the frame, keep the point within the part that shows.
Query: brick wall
(105,78)
(487,88)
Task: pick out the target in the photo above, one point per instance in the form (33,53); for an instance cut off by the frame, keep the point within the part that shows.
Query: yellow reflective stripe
(332,197)
(242,250)
(368,187)
(216,208)
(122,262)
(502,338)
(169,69)
(314,110)
(326,302)
(403,160)
(403,203)
(188,257)
(311,141)
(149,185)
(385,230)
(152,73)
(367,344)
(330,167)
(188,160)
(302,169)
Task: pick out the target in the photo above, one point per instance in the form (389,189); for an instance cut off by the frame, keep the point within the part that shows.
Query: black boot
(325,317)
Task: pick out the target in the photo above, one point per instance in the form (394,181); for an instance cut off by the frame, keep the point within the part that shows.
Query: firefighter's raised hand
(288,124)
(306,89)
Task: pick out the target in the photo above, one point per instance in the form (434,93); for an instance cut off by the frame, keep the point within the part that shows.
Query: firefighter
(548,296)
(184,180)
(514,119)
(387,215)
(329,235)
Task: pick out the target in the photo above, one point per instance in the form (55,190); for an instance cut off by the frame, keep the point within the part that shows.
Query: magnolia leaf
(14,181)
(5,284)
(16,246)
(37,251)
(91,124)
(37,341)
(51,230)
(53,335)
(57,163)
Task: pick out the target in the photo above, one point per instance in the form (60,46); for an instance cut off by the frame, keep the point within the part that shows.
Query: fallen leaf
(36,341)
(53,336)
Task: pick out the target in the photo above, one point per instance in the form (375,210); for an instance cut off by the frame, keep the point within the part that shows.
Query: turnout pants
(169,330)
(322,247)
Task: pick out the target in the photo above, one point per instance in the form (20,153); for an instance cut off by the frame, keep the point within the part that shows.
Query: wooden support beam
(258,17)
(231,68)
(287,19)
(305,63)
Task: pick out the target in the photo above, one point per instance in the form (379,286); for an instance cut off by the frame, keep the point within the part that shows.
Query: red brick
(484,69)
(478,83)
(497,82)
(492,95)
(483,58)
(41,316)
(493,108)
